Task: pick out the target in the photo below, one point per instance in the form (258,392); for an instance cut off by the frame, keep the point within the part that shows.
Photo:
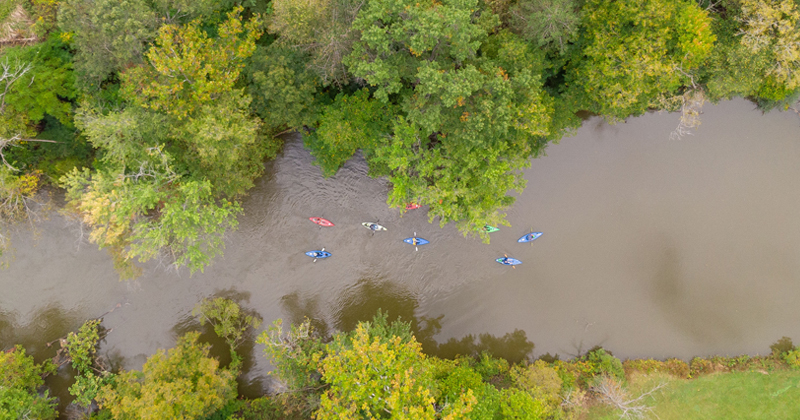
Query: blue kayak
(508,261)
(529,237)
(318,254)
(415,241)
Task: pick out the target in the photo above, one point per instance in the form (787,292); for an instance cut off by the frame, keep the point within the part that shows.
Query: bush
(603,362)
(700,366)
(792,358)
(540,381)
(493,370)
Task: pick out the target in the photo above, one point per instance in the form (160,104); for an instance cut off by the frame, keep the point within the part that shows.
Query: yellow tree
(772,25)
(184,383)
(381,376)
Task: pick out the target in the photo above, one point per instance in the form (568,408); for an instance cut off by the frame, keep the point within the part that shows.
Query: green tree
(229,322)
(546,23)
(322,28)
(352,122)
(635,52)
(173,159)
(295,354)
(20,379)
(108,36)
(81,348)
(282,87)
(48,87)
(183,383)
(472,106)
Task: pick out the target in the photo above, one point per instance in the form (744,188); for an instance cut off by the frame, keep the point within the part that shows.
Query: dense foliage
(182,383)
(156,116)
(20,380)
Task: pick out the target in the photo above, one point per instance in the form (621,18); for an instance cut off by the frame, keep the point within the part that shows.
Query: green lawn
(737,395)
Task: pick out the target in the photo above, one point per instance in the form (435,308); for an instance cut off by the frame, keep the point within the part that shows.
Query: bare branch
(10,74)
(611,392)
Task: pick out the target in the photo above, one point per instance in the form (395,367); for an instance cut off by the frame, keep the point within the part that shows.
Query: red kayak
(412,206)
(320,221)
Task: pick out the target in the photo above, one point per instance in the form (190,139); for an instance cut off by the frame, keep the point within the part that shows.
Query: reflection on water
(362,301)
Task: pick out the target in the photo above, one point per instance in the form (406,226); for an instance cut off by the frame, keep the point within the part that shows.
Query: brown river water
(652,248)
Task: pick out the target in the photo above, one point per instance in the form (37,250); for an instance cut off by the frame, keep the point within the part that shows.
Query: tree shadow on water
(362,301)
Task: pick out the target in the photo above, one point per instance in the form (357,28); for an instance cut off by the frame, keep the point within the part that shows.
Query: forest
(153,118)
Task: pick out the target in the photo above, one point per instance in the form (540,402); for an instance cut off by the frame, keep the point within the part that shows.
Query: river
(651,248)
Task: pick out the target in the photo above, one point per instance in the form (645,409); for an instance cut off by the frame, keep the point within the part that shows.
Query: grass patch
(734,395)
(740,395)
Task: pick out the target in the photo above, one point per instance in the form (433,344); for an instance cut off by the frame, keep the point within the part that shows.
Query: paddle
(513,266)
(315,258)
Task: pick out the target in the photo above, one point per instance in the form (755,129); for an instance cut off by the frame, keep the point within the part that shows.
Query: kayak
(529,237)
(415,241)
(490,229)
(318,254)
(412,206)
(320,221)
(373,226)
(508,261)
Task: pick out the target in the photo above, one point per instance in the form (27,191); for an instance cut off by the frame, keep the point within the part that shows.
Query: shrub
(602,362)
(700,366)
(541,381)
(792,358)
(493,370)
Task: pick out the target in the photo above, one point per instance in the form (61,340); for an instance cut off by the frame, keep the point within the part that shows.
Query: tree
(81,348)
(188,68)
(108,36)
(183,383)
(773,26)
(379,371)
(352,122)
(282,87)
(20,379)
(635,52)
(47,86)
(469,120)
(18,189)
(174,158)
(229,321)
(321,28)
(546,23)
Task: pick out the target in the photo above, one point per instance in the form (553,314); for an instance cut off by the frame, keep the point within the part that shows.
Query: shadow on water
(249,387)
(362,301)
(47,325)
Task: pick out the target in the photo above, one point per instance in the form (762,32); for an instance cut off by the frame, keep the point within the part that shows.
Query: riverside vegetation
(379,371)
(155,116)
